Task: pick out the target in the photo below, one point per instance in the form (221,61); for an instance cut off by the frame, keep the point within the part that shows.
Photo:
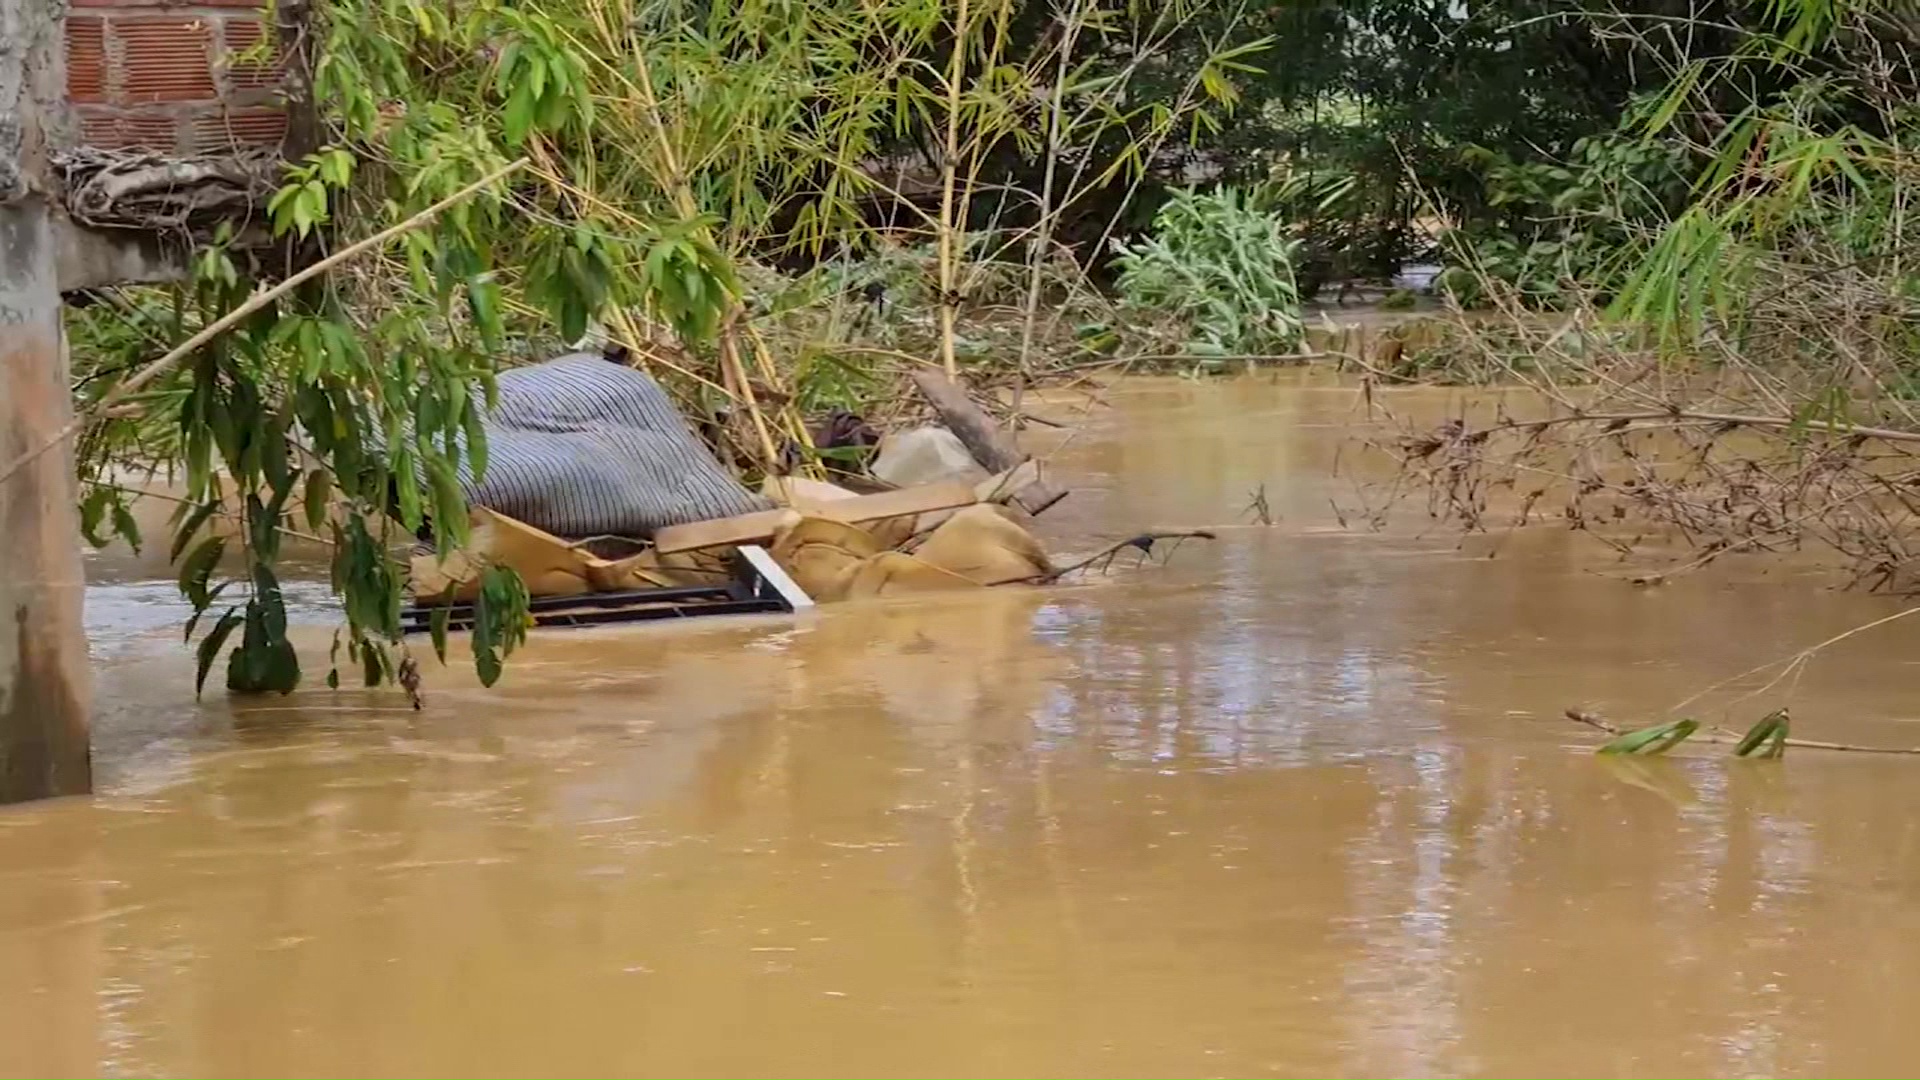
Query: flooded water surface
(1301,802)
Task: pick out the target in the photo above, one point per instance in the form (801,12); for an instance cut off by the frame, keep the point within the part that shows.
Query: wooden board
(758,527)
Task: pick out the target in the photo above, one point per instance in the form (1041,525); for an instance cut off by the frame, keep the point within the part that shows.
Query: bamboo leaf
(193,620)
(198,567)
(93,510)
(476,443)
(184,534)
(316,499)
(210,647)
(439,622)
(1654,740)
(1676,96)
(1767,738)
(449,503)
(406,480)
(372,666)
(125,525)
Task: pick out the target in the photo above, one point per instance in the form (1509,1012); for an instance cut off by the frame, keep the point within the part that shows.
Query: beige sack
(821,556)
(986,546)
(544,561)
(891,573)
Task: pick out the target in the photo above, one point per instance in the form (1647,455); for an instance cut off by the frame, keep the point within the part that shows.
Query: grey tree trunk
(43,651)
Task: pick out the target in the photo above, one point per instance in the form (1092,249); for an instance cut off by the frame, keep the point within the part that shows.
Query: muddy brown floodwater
(1298,804)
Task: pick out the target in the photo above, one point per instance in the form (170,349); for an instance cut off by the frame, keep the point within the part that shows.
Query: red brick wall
(162,75)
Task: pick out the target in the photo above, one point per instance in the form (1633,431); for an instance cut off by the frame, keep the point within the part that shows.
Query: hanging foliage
(667,145)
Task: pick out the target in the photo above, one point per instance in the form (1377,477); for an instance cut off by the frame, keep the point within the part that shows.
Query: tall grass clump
(1220,271)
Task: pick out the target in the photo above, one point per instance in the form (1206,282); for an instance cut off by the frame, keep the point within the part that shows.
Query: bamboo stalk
(949,166)
(261,298)
(1037,253)
(1721,736)
(737,374)
(732,369)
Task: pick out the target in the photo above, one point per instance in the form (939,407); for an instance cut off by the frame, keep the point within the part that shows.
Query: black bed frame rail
(758,586)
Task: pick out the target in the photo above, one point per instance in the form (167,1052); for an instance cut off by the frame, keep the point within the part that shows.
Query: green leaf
(517,121)
(500,621)
(449,503)
(440,619)
(270,601)
(198,567)
(537,74)
(406,482)
(371,668)
(93,510)
(210,648)
(1767,738)
(124,524)
(280,207)
(509,61)
(193,620)
(184,534)
(264,520)
(336,167)
(483,302)
(299,217)
(316,499)
(1654,740)
(265,660)
(315,195)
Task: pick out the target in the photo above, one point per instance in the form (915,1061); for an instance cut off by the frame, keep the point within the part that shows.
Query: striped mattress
(580,446)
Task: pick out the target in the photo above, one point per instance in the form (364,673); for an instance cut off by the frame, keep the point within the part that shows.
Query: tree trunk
(991,446)
(43,650)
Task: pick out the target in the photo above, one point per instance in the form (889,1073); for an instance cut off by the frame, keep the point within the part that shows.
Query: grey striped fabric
(580,446)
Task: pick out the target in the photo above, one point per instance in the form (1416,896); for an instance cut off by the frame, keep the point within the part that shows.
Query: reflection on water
(1297,804)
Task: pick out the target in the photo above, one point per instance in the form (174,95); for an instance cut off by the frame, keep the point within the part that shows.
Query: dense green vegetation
(777,203)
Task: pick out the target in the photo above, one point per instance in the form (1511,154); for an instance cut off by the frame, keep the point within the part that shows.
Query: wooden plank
(991,446)
(758,527)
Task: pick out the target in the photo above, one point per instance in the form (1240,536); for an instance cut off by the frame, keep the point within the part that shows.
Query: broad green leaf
(518,118)
(536,75)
